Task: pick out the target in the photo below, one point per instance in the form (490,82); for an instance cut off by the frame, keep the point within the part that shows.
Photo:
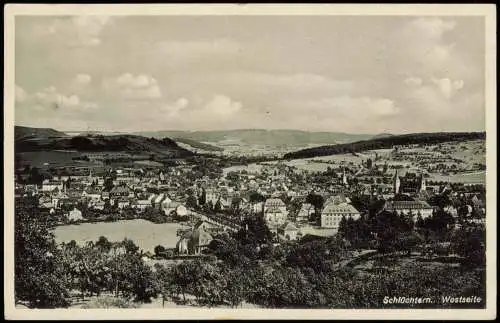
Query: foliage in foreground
(110,302)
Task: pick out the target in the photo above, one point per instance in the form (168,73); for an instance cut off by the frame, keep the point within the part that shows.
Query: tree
(256,197)
(159,251)
(316,200)
(108,184)
(130,246)
(254,231)
(191,202)
(218,206)
(35,177)
(369,163)
(343,227)
(470,243)
(203,198)
(103,244)
(40,278)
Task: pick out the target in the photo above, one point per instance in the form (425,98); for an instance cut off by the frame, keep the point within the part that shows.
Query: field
(44,159)
(467,178)
(251,168)
(145,234)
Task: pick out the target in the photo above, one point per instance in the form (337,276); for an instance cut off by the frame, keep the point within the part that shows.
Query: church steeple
(397,182)
(423,186)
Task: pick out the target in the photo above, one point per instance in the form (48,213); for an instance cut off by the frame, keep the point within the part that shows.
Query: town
(254,161)
(292,201)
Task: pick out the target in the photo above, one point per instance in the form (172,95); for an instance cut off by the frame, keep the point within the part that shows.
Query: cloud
(433,27)
(21,94)
(349,107)
(82,79)
(197,48)
(222,105)
(426,52)
(448,87)
(175,108)
(129,86)
(51,99)
(79,31)
(413,81)
(216,111)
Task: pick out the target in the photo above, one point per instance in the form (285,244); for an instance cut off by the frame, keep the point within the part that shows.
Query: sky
(355,74)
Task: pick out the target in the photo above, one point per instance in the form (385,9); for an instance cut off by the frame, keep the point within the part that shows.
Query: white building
(274,217)
(333,213)
(414,208)
(75,215)
(306,210)
(273,203)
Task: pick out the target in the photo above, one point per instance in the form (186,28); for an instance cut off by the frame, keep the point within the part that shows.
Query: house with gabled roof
(288,230)
(306,210)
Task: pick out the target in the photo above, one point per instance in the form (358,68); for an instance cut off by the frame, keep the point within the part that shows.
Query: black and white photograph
(250,158)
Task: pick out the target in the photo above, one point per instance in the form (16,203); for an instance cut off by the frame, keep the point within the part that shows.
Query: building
(99,205)
(288,231)
(306,210)
(273,203)
(333,213)
(49,186)
(123,203)
(92,193)
(159,200)
(141,205)
(274,217)
(414,208)
(181,211)
(75,215)
(194,242)
(411,183)
(119,191)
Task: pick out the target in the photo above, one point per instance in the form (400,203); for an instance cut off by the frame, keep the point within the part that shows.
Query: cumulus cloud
(433,27)
(21,94)
(82,79)
(175,108)
(448,87)
(77,30)
(130,86)
(426,50)
(51,99)
(215,111)
(396,70)
(413,81)
(222,105)
(350,107)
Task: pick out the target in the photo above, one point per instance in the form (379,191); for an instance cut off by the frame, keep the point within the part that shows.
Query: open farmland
(466,178)
(43,159)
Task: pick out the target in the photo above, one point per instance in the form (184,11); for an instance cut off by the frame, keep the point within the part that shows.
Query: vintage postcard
(272,161)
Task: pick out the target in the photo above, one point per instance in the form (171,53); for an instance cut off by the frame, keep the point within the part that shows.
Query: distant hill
(262,137)
(384,143)
(21,132)
(382,135)
(198,145)
(99,143)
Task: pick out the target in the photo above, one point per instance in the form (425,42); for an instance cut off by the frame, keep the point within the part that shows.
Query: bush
(109,302)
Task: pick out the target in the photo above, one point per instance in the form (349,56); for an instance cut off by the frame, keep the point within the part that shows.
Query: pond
(145,234)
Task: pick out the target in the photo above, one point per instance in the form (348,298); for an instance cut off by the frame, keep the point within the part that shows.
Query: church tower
(344,179)
(397,182)
(423,186)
